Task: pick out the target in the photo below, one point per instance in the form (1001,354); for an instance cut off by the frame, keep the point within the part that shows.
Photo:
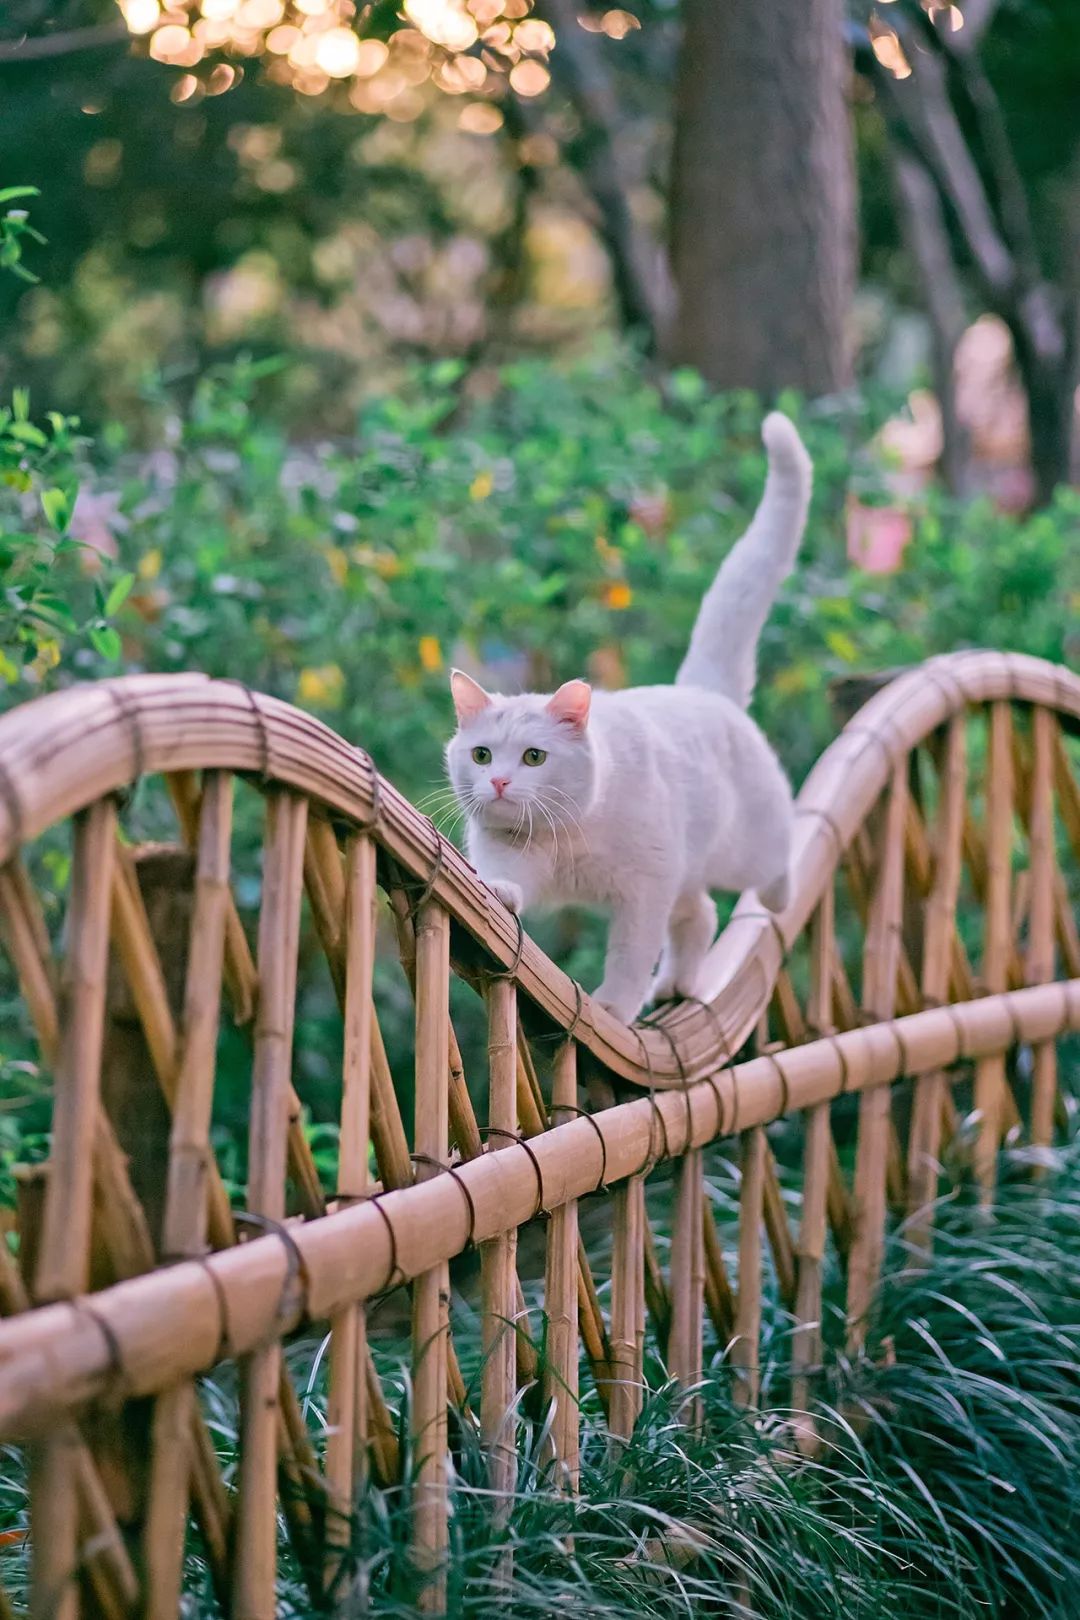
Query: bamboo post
(746,1345)
(63,1265)
(719,1299)
(255,1561)
(880,967)
(346,1442)
(627,1307)
(818,1149)
(184,1229)
(498,1416)
(431,1291)
(1040,953)
(990,1073)
(924,1138)
(684,1350)
(561,1295)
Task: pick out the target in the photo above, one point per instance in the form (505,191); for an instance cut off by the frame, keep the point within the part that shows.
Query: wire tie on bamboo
(663,1030)
(829,821)
(421,900)
(463,1186)
(541,1210)
(129,714)
(578,1008)
(950,697)
(223,1350)
(511,972)
(897,1033)
(296,1271)
(116,1369)
(713,1078)
(265,772)
(872,736)
(830,1036)
(395,1271)
(583,1113)
(774,923)
(372,823)
(785,1090)
(12,804)
(951,1012)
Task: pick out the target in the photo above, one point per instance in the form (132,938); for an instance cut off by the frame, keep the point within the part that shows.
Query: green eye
(533,756)
(482,756)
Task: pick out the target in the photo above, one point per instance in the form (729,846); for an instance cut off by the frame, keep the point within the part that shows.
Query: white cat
(642,801)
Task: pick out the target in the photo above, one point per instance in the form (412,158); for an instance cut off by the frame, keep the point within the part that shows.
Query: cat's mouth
(503,814)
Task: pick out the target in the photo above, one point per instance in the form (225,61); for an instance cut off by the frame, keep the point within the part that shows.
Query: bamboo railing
(930,944)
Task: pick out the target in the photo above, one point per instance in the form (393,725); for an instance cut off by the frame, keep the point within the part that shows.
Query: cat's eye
(533,756)
(481,756)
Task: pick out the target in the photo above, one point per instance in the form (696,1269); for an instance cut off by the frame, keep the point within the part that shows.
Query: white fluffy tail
(723,647)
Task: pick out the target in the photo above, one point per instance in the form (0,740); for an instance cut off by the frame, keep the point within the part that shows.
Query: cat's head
(511,755)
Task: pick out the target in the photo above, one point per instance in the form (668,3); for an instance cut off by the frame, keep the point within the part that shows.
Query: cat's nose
(500,784)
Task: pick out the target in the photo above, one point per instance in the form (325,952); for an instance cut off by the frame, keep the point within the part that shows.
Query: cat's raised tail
(723,646)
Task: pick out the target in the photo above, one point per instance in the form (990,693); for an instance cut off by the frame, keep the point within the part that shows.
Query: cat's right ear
(469,696)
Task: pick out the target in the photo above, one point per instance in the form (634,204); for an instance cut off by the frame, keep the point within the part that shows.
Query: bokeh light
(474,49)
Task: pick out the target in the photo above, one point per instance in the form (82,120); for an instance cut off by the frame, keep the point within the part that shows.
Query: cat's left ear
(570,704)
(469,696)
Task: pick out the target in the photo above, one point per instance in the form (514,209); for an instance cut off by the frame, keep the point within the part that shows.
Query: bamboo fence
(136,1274)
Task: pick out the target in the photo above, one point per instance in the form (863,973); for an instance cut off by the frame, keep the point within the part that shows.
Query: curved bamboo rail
(137,1277)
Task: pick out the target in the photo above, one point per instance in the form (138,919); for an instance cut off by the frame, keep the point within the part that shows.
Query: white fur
(653,796)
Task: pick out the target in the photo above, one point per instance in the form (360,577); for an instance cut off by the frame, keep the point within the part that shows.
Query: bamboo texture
(337,834)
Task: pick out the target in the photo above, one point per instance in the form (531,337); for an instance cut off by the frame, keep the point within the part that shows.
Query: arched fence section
(923,976)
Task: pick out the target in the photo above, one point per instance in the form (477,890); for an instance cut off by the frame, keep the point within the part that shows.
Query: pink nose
(500,784)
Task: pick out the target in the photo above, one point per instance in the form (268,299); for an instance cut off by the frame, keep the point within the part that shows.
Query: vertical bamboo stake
(684,1351)
(990,1073)
(817,1166)
(63,1265)
(719,1300)
(431,1292)
(255,1562)
(560,1292)
(185,1216)
(924,1139)
(746,1345)
(627,1307)
(498,1275)
(880,967)
(1040,953)
(346,1444)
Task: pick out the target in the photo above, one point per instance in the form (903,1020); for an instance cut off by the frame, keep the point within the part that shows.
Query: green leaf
(10,193)
(57,508)
(119,594)
(105,641)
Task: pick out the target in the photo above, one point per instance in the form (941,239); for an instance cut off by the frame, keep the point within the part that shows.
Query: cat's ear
(469,696)
(570,704)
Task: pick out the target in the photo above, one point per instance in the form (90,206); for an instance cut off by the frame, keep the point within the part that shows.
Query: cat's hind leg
(691,931)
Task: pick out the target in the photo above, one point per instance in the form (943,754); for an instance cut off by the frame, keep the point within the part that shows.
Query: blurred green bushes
(540,521)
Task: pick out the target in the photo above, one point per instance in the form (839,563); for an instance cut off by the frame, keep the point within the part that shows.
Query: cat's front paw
(620,1003)
(511,895)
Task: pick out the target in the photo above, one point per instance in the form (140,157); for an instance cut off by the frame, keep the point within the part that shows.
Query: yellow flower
(48,656)
(150,564)
(618,595)
(481,487)
(338,564)
(841,645)
(431,657)
(325,686)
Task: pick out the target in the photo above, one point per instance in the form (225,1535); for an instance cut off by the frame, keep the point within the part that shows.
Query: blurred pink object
(877,536)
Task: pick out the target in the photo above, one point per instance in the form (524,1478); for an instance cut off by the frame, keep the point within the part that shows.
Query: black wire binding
(511,972)
(223,1349)
(116,1369)
(296,1270)
(130,717)
(829,821)
(436,872)
(583,1113)
(452,1171)
(12,804)
(265,762)
(522,1141)
(771,918)
(785,1089)
(575,1021)
(372,823)
(374,1199)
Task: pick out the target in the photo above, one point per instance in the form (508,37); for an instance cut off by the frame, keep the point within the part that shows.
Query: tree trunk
(763,231)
